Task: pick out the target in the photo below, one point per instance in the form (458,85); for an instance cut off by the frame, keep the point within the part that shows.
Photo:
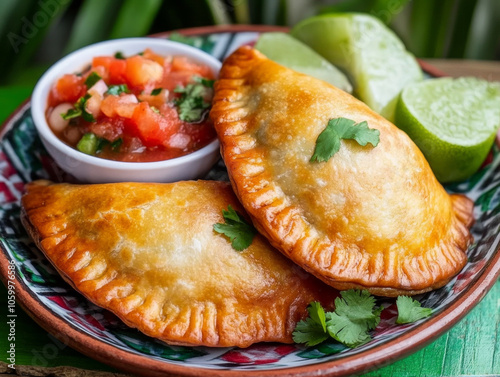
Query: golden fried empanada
(148,253)
(370,217)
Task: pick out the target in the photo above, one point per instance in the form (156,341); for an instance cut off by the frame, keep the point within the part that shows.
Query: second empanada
(149,253)
(370,217)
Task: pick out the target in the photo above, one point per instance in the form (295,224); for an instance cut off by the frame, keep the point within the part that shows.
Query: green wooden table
(471,348)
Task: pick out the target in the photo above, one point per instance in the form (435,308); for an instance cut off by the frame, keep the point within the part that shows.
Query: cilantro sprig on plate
(410,310)
(328,141)
(236,228)
(354,316)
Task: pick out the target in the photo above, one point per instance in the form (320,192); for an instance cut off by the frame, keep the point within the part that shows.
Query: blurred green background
(36,33)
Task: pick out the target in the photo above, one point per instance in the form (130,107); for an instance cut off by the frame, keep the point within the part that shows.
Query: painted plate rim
(379,356)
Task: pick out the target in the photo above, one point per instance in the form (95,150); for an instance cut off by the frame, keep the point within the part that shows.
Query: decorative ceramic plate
(99,334)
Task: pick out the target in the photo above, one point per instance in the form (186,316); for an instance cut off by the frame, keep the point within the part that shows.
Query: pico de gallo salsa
(145,107)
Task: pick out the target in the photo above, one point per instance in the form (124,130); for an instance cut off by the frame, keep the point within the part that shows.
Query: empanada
(148,253)
(370,217)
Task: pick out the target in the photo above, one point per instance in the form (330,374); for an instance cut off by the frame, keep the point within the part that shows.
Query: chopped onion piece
(179,141)
(93,105)
(123,105)
(56,121)
(99,88)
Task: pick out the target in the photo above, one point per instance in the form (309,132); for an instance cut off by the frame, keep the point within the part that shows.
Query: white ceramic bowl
(92,169)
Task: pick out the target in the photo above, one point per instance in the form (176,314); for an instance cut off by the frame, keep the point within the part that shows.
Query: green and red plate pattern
(23,159)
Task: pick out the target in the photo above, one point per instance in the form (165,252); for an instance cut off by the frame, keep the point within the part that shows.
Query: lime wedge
(288,51)
(370,53)
(452,121)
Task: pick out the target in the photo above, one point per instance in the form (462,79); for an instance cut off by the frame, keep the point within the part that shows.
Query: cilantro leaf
(328,141)
(92,79)
(309,332)
(312,330)
(191,103)
(205,82)
(119,55)
(354,316)
(410,310)
(116,90)
(317,314)
(347,332)
(71,113)
(101,144)
(115,145)
(82,102)
(79,110)
(236,229)
(156,91)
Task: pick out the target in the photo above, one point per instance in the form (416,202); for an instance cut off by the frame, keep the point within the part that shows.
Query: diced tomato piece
(153,129)
(103,61)
(140,71)
(169,112)
(115,69)
(123,106)
(173,79)
(100,70)
(164,61)
(67,89)
(99,88)
(182,63)
(156,101)
(201,134)
(109,129)
(151,55)
(93,105)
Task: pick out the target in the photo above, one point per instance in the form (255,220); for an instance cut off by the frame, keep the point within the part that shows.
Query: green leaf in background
(19,34)
(218,11)
(7,7)
(15,29)
(268,12)
(446,28)
(241,11)
(183,14)
(42,15)
(93,23)
(483,41)
(135,18)
(464,11)
(430,26)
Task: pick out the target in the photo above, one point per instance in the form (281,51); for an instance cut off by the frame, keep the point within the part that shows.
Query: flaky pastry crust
(148,253)
(371,218)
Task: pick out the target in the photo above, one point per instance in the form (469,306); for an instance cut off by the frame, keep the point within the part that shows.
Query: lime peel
(453,122)
(369,52)
(292,53)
